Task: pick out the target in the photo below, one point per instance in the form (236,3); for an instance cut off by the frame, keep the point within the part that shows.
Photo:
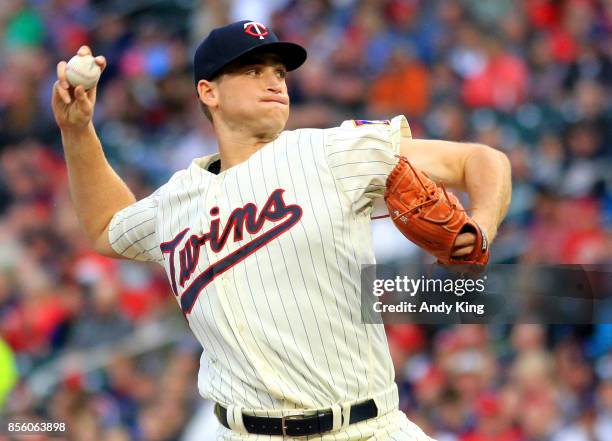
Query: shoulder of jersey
(175,179)
(353,123)
(364,127)
(180,174)
(387,127)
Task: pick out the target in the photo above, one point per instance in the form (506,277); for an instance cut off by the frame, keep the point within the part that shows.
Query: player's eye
(282,73)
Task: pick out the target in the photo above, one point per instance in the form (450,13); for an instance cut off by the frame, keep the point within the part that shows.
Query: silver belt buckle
(288,417)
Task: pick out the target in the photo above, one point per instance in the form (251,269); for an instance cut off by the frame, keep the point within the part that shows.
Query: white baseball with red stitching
(83,71)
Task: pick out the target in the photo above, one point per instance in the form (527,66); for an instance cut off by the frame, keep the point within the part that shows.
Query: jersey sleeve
(132,230)
(361,154)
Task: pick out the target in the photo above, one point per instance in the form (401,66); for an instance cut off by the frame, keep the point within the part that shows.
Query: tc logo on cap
(256,29)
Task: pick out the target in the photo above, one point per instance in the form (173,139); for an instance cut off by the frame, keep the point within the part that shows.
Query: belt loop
(234,418)
(337,417)
(346,414)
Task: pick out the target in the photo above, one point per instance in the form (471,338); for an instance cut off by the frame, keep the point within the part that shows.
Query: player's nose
(273,82)
(276,90)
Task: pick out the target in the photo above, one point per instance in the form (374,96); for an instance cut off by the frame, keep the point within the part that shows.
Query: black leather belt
(298,425)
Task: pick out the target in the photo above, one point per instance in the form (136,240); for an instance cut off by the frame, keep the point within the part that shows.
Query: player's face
(254,94)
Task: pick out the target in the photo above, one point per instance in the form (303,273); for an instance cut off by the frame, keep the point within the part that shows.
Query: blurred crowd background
(101,345)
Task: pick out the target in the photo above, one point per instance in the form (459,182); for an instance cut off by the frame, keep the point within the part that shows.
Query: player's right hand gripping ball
(431,217)
(82,70)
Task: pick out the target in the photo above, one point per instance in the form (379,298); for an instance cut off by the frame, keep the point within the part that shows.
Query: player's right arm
(97,192)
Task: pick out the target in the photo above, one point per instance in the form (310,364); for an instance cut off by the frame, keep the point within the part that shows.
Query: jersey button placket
(213,211)
(211,201)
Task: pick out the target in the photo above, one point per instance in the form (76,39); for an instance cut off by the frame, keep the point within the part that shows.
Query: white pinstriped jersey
(264,261)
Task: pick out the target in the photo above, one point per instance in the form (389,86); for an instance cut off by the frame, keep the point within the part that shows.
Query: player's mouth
(276,99)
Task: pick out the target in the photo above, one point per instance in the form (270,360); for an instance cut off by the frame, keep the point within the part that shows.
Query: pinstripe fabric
(132,231)
(280,326)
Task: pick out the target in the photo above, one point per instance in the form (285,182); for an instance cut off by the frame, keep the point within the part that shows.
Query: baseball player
(263,241)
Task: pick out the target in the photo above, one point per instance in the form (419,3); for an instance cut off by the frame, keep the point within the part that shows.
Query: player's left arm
(483,172)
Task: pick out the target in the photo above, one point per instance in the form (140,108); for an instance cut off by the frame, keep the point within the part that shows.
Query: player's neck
(237,147)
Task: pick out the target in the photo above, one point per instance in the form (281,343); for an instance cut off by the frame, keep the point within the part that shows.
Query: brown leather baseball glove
(431,217)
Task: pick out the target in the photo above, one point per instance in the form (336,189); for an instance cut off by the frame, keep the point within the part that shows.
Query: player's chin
(273,107)
(276,119)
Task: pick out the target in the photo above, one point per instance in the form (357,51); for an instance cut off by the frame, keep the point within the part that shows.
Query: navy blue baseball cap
(228,43)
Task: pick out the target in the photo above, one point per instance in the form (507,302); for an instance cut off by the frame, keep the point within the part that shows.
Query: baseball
(83,71)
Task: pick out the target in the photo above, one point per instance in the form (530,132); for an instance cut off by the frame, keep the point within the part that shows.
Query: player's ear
(207,91)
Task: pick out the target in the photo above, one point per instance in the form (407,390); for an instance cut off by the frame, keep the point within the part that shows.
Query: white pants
(394,426)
